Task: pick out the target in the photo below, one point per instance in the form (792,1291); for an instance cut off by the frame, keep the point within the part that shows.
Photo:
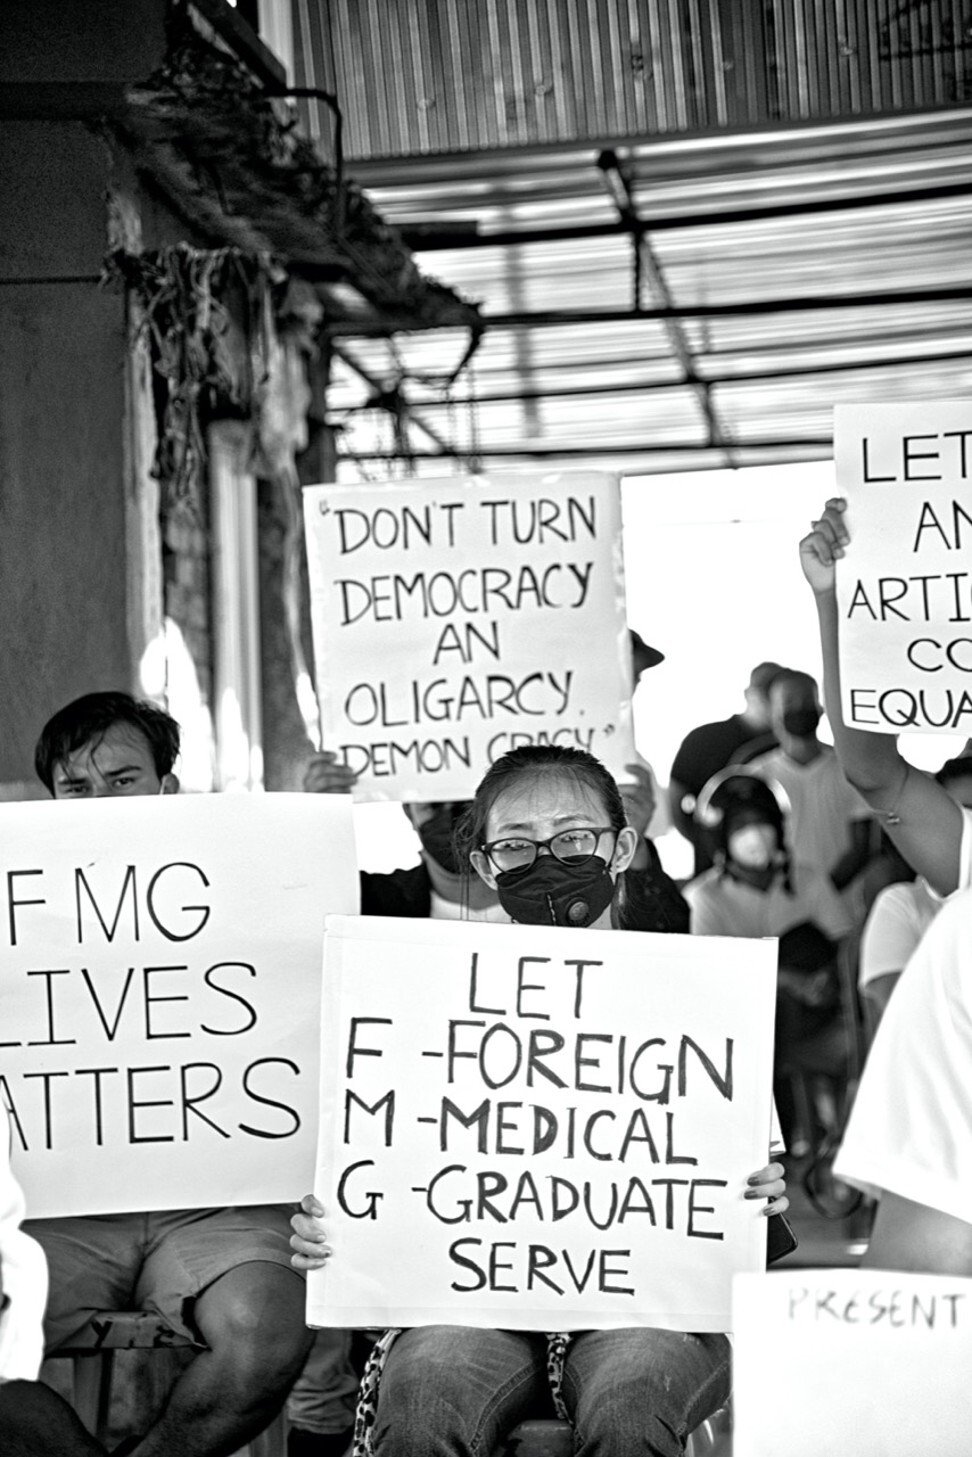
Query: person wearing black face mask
(757,888)
(547,831)
(831,827)
(441,887)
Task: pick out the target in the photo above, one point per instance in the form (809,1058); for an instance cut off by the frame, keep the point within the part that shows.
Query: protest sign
(904,588)
(872,1362)
(456,619)
(535,1128)
(160,974)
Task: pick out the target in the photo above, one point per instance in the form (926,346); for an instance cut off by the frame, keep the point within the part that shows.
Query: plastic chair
(92,1352)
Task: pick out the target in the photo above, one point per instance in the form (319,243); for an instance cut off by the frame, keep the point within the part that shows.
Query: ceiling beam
(524,396)
(544,452)
(562,318)
(646,265)
(380,393)
(428,237)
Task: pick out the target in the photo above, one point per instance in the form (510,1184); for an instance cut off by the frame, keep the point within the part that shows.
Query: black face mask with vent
(801,722)
(552,893)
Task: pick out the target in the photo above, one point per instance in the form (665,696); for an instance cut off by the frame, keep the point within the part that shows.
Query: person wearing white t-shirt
(932,832)
(902,913)
(908,1142)
(829,824)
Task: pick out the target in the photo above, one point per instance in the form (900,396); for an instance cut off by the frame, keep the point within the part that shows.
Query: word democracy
(489,590)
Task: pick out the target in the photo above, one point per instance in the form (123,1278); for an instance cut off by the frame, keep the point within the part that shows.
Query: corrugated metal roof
(781,268)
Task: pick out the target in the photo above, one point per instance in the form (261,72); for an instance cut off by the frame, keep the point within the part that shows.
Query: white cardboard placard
(456,619)
(160,975)
(904,588)
(872,1362)
(539,1129)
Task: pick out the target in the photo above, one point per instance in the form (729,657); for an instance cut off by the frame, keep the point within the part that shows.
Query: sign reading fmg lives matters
(456,619)
(160,978)
(540,1129)
(904,588)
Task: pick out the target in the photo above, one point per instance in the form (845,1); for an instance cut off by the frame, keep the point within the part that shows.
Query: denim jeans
(322,1398)
(452,1391)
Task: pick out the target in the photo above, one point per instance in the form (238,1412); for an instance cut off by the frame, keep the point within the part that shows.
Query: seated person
(439,888)
(547,829)
(930,830)
(220,1278)
(755,888)
(902,913)
(908,1142)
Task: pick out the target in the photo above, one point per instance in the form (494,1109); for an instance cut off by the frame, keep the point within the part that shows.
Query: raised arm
(922,819)
(910,1236)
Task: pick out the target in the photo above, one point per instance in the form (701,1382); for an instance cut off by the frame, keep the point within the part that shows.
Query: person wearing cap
(757,888)
(711,746)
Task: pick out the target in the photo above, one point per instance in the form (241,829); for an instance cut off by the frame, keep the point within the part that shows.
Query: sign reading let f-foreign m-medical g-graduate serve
(540,1129)
(456,619)
(160,978)
(904,589)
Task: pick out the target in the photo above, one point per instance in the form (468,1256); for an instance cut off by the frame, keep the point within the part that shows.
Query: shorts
(159,1262)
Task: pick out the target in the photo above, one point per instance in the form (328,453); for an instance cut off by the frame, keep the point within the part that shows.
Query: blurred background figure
(757,887)
(831,827)
(710,747)
(902,913)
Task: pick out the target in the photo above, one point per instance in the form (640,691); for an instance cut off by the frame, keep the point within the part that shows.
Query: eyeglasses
(570,847)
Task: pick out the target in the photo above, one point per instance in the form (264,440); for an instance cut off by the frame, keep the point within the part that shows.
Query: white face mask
(753,846)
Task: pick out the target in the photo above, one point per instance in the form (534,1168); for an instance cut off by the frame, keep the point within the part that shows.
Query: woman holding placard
(546,831)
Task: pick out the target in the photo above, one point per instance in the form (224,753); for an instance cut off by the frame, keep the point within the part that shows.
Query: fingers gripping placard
(537,1128)
(457,619)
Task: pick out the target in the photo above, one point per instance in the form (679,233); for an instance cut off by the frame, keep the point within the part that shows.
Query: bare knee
(254,1317)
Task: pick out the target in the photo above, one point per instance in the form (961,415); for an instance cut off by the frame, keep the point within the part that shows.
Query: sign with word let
(874,1362)
(456,619)
(904,588)
(160,980)
(536,1128)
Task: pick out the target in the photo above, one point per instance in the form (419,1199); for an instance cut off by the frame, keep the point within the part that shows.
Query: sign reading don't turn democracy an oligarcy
(457,619)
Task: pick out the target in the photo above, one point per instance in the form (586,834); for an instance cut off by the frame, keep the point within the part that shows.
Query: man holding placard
(219,1277)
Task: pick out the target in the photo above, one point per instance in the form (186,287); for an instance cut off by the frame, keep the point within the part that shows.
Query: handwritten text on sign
(455,620)
(160,969)
(537,1128)
(904,590)
(879,1354)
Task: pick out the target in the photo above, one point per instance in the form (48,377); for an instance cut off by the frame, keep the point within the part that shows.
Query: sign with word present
(872,1362)
(456,619)
(160,978)
(904,588)
(535,1128)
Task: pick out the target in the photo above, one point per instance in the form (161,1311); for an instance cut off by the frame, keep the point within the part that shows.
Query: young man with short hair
(219,1277)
